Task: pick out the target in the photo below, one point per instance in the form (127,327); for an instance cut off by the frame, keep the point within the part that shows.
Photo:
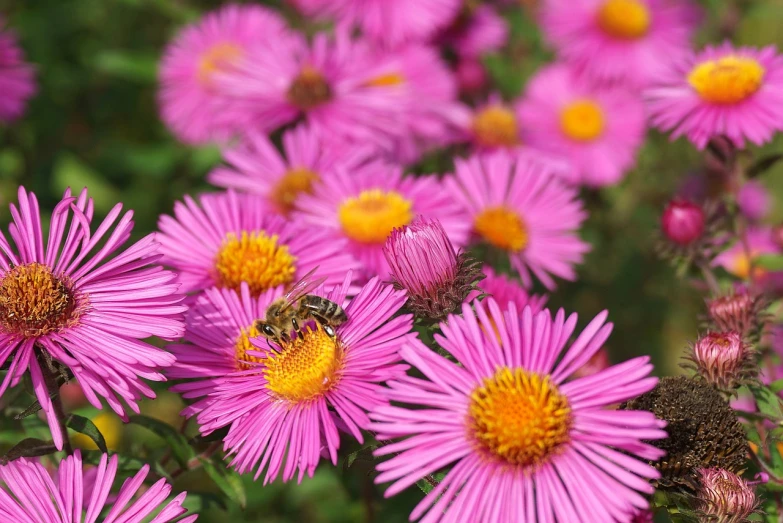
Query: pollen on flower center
(519,416)
(254,258)
(216,58)
(496,126)
(386,80)
(309,89)
(728,80)
(582,120)
(627,19)
(291,185)
(741,267)
(306,368)
(34,302)
(242,345)
(502,228)
(371,216)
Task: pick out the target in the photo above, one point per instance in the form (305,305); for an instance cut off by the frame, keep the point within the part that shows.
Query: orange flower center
(582,120)
(371,216)
(35,302)
(306,368)
(294,183)
(518,416)
(728,80)
(256,259)
(502,228)
(496,126)
(217,58)
(309,89)
(386,80)
(626,19)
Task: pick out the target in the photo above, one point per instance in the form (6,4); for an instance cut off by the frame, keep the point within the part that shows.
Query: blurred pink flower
(737,260)
(626,41)
(517,205)
(226,239)
(597,130)
(329,83)
(504,290)
(17,77)
(471,75)
(723,90)
(255,165)
(364,206)
(524,443)
(754,200)
(283,405)
(476,31)
(29,495)
(390,23)
(68,297)
(192,102)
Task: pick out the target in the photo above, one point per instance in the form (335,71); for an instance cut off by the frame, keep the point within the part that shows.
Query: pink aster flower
(754,200)
(329,83)
(504,290)
(256,166)
(389,23)
(478,30)
(30,495)
(597,130)
(525,441)
(517,205)
(228,238)
(283,405)
(192,102)
(364,206)
(17,77)
(722,90)
(67,297)
(491,125)
(619,40)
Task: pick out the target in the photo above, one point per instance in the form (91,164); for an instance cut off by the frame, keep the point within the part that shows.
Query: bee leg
(295,324)
(329,331)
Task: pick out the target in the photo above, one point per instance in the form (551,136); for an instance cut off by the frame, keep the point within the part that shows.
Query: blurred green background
(94,123)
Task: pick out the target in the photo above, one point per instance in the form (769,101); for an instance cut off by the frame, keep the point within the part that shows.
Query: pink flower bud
(682,222)
(424,263)
(722,359)
(735,312)
(471,75)
(724,496)
(753,200)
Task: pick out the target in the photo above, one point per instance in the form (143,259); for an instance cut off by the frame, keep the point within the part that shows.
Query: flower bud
(423,261)
(644,515)
(735,312)
(753,201)
(723,359)
(682,222)
(724,496)
(598,362)
(471,75)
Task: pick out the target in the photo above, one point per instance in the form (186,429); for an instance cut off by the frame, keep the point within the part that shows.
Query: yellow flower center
(727,80)
(371,216)
(503,228)
(306,368)
(290,186)
(35,302)
(582,120)
(109,425)
(627,19)
(254,258)
(496,126)
(217,58)
(386,80)
(309,89)
(519,417)
(741,267)
(242,345)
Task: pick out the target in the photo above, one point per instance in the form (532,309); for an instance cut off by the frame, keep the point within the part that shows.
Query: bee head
(266,330)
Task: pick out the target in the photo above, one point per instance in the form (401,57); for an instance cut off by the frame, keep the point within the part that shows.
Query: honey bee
(291,311)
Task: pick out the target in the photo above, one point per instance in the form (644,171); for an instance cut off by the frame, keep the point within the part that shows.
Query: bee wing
(302,287)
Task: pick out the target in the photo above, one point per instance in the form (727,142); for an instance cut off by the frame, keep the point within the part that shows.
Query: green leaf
(776,386)
(135,67)
(84,426)
(768,402)
(28,448)
(771,262)
(763,164)
(364,454)
(70,171)
(430,482)
(227,480)
(180,450)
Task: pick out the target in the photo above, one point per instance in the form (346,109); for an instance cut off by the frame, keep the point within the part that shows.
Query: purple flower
(79,298)
(80,495)
(17,77)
